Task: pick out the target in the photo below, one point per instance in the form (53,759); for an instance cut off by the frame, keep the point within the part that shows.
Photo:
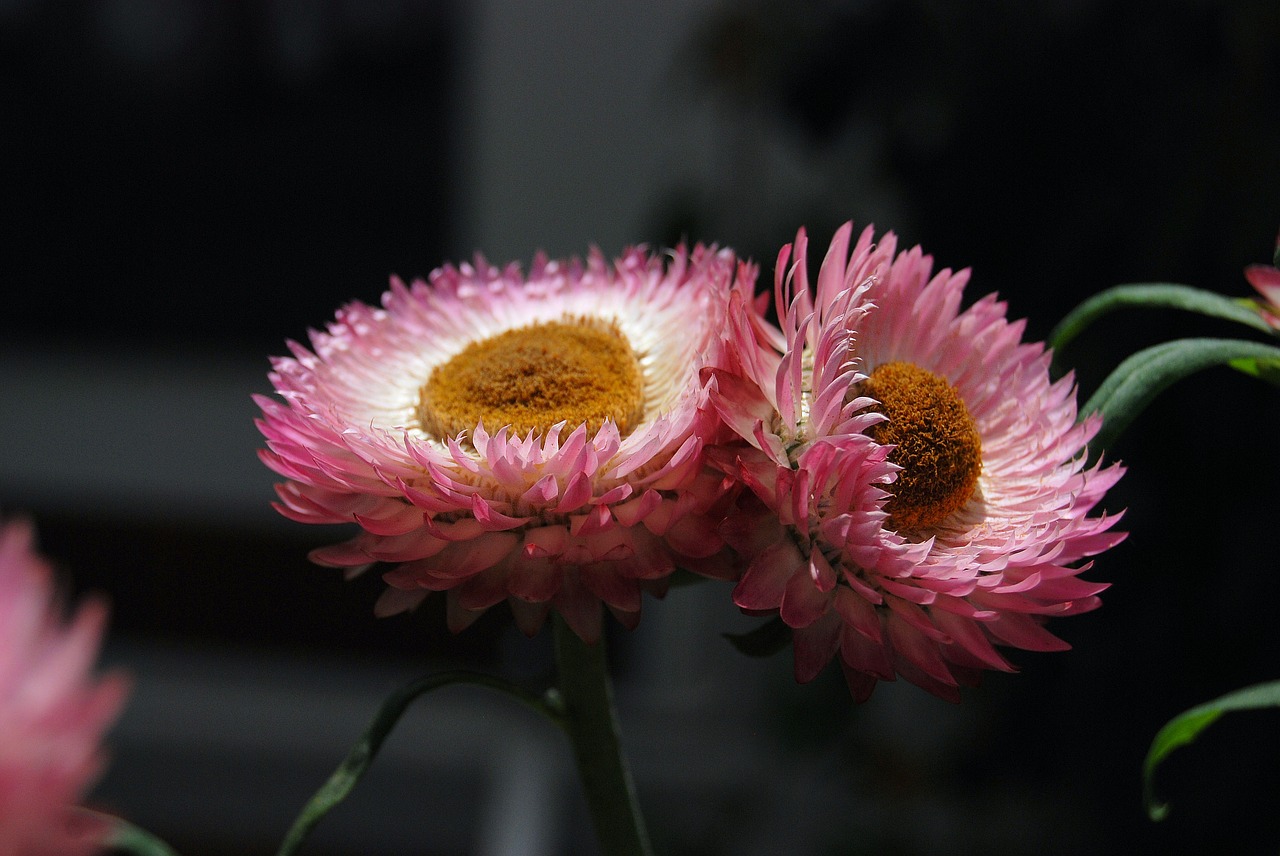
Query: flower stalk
(591,721)
(362,755)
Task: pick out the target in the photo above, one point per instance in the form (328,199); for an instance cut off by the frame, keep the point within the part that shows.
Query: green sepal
(764,641)
(1138,380)
(1186,727)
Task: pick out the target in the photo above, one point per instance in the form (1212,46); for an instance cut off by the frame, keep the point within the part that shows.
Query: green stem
(592,724)
(353,767)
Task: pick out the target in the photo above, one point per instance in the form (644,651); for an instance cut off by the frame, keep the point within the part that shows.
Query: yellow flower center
(576,370)
(937,444)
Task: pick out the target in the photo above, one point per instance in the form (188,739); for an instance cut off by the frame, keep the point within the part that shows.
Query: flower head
(53,712)
(1266,279)
(919,492)
(536,439)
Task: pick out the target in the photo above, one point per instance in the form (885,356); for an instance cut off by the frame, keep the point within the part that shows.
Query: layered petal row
(1266,281)
(566,515)
(53,710)
(844,535)
(894,475)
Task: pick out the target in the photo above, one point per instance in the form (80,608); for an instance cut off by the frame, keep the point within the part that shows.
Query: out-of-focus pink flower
(1266,279)
(53,711)
(918,484)
(536,439)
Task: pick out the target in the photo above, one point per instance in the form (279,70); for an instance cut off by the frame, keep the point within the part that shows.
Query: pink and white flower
(918,485)
(531,438)
(53,711)
(1266,280)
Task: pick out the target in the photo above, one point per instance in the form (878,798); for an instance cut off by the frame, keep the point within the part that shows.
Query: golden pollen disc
(938,446)
(577,370)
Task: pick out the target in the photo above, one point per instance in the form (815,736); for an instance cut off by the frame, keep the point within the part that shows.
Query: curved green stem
(1154,294)
(353,767)
(592,723)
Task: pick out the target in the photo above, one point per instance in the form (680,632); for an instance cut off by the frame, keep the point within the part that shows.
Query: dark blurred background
(192,183)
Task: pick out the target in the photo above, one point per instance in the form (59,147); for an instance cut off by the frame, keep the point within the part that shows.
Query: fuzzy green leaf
(357,762)
(1138,380)
(127,838)
(1264,370)
(1186,727)
(1159,295)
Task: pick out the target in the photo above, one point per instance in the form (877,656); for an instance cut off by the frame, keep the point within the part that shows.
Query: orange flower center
(577,370)
(937,444)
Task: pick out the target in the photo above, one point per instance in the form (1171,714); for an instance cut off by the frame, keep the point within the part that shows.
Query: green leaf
(1186,727)
(361,756)
(764,641)
(1138,380)
(1264,370)
(124,836)
(1155,295)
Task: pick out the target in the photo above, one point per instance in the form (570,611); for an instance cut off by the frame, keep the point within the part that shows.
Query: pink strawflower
(1266,279)
(536,439)
(919,493)
(53,711)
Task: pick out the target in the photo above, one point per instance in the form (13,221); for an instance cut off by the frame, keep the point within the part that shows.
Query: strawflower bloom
(53,711)
(1266,280)
(530,438)
(918,485)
